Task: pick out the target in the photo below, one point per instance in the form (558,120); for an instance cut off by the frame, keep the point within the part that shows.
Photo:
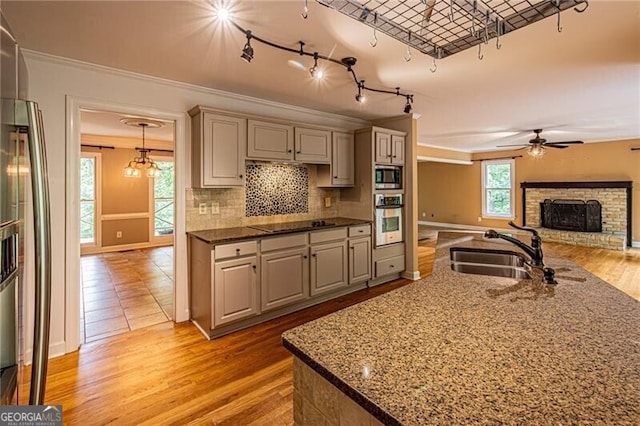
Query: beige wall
(452,193)
(122,195)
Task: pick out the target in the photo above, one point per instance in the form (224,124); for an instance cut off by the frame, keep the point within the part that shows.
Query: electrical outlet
(424,214)
(327,202)
(202,208)
(118,234)
(215,208)
(479,218)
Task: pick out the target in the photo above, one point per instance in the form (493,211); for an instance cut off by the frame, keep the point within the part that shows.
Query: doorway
(127,224)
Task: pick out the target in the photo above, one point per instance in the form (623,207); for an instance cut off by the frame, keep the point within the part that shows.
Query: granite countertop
(467,349)
(226,235)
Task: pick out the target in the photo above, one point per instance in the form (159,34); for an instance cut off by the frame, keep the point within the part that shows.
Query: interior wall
(450,193)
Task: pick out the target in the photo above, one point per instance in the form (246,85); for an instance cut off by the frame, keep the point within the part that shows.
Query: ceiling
(582,83)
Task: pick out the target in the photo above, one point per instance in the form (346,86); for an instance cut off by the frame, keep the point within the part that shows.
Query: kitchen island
(467,349)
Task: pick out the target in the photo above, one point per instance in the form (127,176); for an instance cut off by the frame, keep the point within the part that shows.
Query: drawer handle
(237,251)
(335,177)
(240,177)
(314,255)
(391,266)
(254,267)
(360,230)
(297,152)
(289,151)
(305,257)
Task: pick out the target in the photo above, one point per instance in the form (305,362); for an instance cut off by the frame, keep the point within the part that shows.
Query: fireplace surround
(616,217)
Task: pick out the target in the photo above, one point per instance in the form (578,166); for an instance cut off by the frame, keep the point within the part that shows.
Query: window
(163,203)
(88,196)
(498,193)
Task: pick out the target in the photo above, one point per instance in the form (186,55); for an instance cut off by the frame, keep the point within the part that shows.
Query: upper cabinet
(218,149)
(341,170)
(389,148)
(269,141)
(312,146)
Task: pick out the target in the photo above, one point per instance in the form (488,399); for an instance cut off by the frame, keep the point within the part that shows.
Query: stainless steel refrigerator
(23,188)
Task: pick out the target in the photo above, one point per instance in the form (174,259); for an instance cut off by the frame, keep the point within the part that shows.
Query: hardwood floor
(169,374)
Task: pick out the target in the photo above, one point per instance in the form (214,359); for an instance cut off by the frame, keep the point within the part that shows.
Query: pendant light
(142,163)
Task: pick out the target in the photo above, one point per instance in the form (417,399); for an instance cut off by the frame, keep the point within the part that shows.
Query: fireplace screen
(571,215)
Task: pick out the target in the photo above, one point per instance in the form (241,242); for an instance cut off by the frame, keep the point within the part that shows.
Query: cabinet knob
(305,256)
(353,248)
(254,267)
(360,230)
(240,177)
(335,177)
(297,152)
(289,151)
(237,251)
(391,266)
(314,255)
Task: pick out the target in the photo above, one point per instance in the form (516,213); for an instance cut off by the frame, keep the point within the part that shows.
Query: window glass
(88,200)
(163,194)
(498,188)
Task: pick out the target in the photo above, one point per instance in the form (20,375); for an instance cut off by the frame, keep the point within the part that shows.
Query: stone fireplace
(593,214)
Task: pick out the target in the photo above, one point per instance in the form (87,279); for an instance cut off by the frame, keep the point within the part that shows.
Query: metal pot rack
(440,28)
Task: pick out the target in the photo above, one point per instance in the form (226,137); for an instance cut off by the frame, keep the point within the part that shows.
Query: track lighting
(223,14)
(316,72)
(347,62)
(247,50)
(360,97)
(407,106)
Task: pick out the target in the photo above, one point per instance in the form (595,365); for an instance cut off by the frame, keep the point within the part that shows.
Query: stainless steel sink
(496,263)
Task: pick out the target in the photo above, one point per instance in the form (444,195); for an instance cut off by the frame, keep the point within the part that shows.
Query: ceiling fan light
(536,151)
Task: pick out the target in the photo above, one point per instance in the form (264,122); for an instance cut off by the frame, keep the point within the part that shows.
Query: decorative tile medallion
(274,189)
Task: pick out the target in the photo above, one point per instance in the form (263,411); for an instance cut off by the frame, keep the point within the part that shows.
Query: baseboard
(635,244)
(411,275)
(123,247)
(55,350)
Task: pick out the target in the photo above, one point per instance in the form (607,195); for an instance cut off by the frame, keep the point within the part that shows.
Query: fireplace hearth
(571,215)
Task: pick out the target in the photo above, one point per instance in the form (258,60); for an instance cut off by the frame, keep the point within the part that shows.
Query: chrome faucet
(534,250)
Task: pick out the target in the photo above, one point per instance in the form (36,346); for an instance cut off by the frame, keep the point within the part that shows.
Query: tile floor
(125,291)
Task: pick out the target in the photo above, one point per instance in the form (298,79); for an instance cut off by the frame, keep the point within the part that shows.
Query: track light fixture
(407,106)
(315,71)
(247,50)
(360,97)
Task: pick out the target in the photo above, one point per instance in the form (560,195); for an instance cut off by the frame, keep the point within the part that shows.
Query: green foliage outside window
(498,189)
(87,199)
(163,194)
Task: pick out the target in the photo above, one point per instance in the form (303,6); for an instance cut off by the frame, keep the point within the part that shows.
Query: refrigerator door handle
(42,228)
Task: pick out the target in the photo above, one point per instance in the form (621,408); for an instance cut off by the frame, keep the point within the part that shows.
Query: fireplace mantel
(595,184)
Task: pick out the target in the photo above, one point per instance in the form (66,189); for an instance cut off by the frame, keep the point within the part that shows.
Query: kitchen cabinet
(269,141)
(389,148)
(312,146)
(341,171)
(235,290)
(389,259)
(329,259)
(218,149)
(284,277)
(359,253)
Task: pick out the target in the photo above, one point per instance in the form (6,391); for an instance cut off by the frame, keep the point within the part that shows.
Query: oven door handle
(395,206)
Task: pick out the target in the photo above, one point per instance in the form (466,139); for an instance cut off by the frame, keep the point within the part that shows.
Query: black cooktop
(293,226)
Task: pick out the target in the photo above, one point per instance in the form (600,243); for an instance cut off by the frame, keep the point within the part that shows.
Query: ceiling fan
(538,145)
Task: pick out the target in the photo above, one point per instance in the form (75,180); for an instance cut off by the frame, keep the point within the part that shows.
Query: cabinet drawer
(389,266)
(235,249)
(389,251)
(279,243)
(359,231)
(324,236)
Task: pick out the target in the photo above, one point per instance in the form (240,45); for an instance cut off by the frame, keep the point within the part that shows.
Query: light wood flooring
(124,291)
(169,374)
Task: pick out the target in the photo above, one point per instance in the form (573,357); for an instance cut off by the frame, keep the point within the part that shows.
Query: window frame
(512,193)
(86,248)
(153,238)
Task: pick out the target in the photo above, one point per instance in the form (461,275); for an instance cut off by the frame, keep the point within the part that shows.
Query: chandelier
(142,163)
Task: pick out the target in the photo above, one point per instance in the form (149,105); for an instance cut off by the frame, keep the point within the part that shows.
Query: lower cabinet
(284,277)
(235,290)
(328,267)
(359,260)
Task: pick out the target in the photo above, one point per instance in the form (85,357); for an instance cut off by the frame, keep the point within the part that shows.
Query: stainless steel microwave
(388,177)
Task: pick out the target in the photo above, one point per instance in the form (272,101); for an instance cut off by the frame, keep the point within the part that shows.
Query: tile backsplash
(273,189)
(233,210)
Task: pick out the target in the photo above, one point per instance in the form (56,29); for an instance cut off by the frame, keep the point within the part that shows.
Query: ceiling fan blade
(555,146)
(565,143)
(517,144)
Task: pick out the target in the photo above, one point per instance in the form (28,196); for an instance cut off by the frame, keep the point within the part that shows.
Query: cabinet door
(342,159)
(383,148)
(313,146)
(223,150)
(328,267)
(235,290)
(397,150)
(359,260)
(284,277)
(269,141)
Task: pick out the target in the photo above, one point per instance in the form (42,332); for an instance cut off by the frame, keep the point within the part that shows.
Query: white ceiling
(582,83)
